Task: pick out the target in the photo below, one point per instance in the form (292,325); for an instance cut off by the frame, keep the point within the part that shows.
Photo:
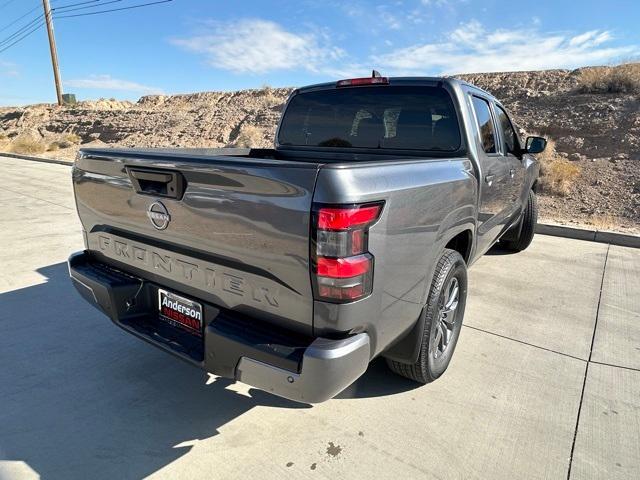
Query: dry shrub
(604,222)
(557,174)
(4,142)
(269,98)
(72,138)
(249,136)
(624,78)
(53,147)
(28,145)
(560,176)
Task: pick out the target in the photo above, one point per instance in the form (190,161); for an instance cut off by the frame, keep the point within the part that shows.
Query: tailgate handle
(157,182)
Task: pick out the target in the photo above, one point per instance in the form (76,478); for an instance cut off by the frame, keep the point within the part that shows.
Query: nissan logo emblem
(159,215)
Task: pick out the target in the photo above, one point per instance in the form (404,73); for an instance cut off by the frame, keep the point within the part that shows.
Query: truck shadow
(82,399)
(378,381)
(498,249)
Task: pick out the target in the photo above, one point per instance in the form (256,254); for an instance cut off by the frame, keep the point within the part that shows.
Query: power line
(37,7)
(19,18)
(28,25)
(68,9)
(114,9)
(74,4)
(35,29)
(21,29)
(6,3)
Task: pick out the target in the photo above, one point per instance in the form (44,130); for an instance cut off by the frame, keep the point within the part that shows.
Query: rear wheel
(443,320)
(527,226)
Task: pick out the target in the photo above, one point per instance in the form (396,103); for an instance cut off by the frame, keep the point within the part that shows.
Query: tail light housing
(342,267)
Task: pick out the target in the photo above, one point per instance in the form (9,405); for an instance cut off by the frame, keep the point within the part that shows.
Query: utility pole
(52,47)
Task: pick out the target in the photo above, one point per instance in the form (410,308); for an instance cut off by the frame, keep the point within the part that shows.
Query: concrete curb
(621,239)
(36,159)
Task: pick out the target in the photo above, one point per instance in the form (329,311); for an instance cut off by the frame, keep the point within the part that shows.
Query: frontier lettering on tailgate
(198,275)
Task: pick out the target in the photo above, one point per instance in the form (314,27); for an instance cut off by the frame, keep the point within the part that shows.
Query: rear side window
(510,137)
(485,124)
(377,117)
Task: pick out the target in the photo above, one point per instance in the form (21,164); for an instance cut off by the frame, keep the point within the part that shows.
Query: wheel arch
(462,243)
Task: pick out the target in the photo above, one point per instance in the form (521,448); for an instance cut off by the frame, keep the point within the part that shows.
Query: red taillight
(355,82)
(342,266)
(344,218)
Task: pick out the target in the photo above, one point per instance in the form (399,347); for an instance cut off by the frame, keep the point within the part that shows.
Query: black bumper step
(132,303)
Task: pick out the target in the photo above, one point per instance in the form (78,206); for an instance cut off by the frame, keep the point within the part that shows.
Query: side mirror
(535,145)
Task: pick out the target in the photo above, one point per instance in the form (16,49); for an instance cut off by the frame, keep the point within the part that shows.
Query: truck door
(511,151)
(495,181)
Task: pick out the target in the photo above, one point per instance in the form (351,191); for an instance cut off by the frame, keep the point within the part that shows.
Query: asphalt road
(545,382)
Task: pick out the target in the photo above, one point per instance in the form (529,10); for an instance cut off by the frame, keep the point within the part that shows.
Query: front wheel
(527,226)
(442,323)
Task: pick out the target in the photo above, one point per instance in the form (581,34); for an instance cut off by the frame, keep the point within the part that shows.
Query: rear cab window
(376,117)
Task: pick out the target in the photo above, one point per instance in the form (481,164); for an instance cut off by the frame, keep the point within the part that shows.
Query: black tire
(431,361)
(527,226)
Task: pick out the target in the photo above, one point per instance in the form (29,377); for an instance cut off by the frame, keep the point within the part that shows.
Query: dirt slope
(600,133)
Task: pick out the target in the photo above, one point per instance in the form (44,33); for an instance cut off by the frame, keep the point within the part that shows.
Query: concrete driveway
(545,382)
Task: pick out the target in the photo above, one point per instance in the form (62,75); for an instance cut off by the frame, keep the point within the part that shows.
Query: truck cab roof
(408,81)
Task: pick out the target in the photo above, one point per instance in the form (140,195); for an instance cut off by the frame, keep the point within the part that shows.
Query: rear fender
(407,348)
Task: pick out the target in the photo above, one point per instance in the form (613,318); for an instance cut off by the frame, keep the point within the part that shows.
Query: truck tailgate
(238,236)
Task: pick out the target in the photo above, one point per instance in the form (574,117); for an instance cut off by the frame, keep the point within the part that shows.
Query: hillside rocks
(210,119)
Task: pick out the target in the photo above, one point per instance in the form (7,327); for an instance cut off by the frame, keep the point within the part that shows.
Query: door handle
(489,179)
(512,172)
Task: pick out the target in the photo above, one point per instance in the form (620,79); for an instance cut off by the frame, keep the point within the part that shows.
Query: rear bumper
(234,346)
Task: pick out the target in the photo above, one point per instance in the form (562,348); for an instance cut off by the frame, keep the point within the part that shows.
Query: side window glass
(485,124)
(508,132)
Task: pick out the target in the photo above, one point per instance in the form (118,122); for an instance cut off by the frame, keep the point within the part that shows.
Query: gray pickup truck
(291,268)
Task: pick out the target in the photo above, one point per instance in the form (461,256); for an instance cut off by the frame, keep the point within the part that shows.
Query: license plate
(180,312)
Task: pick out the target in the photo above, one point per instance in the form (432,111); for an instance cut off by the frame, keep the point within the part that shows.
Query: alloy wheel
(447,317)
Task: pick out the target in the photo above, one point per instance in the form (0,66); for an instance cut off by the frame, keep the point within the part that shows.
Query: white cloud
(259,46)
(591,38)
(437,3)
(8,69)
(473,48)
(390,20)
(255,46)
(107,82)
(441,3)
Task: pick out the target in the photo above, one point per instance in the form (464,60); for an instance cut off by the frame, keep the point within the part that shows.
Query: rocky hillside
(598,133)
(208,119)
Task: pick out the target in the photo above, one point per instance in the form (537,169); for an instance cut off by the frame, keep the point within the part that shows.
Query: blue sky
(198,45)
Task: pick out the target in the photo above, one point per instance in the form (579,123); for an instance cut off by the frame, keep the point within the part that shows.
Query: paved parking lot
(545,382)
